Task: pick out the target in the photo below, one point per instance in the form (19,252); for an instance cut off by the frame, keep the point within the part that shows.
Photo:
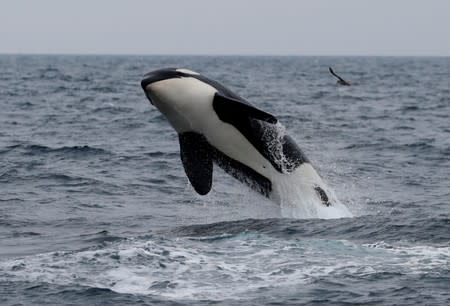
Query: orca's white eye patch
(187,71)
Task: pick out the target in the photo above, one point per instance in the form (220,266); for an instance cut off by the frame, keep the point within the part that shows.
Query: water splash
(298,199)
(296,188)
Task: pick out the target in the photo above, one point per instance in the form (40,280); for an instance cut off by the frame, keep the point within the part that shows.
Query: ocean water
(95,208)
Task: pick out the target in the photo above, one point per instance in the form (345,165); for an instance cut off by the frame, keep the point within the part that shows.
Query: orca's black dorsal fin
(197,161)
(340,81)
(227,108)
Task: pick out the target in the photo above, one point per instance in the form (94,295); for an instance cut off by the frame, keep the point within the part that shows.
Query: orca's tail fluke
(341,81)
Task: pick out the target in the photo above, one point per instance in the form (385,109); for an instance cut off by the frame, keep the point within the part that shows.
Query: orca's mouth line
(149,97)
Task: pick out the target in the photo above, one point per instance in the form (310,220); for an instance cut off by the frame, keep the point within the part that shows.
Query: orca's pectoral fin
(197,161)
(226,108)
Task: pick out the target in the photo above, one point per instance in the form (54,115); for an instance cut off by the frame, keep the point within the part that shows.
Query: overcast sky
(277,27)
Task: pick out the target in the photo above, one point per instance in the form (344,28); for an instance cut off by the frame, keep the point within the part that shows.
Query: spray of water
(295,188)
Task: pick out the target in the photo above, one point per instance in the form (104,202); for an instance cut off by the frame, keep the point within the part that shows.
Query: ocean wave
(237,268)
(24,234)
(34,149)
(358,228)
(113,109)
(8,174)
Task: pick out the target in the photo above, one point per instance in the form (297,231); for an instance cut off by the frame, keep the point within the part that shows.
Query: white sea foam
(237,267)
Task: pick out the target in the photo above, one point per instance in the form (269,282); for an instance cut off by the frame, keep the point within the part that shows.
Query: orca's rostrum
(216,126)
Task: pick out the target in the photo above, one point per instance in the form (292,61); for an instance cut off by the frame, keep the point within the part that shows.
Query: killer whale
(217,126)
(340,80)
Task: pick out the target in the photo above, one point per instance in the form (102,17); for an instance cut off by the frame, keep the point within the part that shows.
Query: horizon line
(217,54)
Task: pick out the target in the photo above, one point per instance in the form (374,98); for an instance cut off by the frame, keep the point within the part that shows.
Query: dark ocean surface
(95,208)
